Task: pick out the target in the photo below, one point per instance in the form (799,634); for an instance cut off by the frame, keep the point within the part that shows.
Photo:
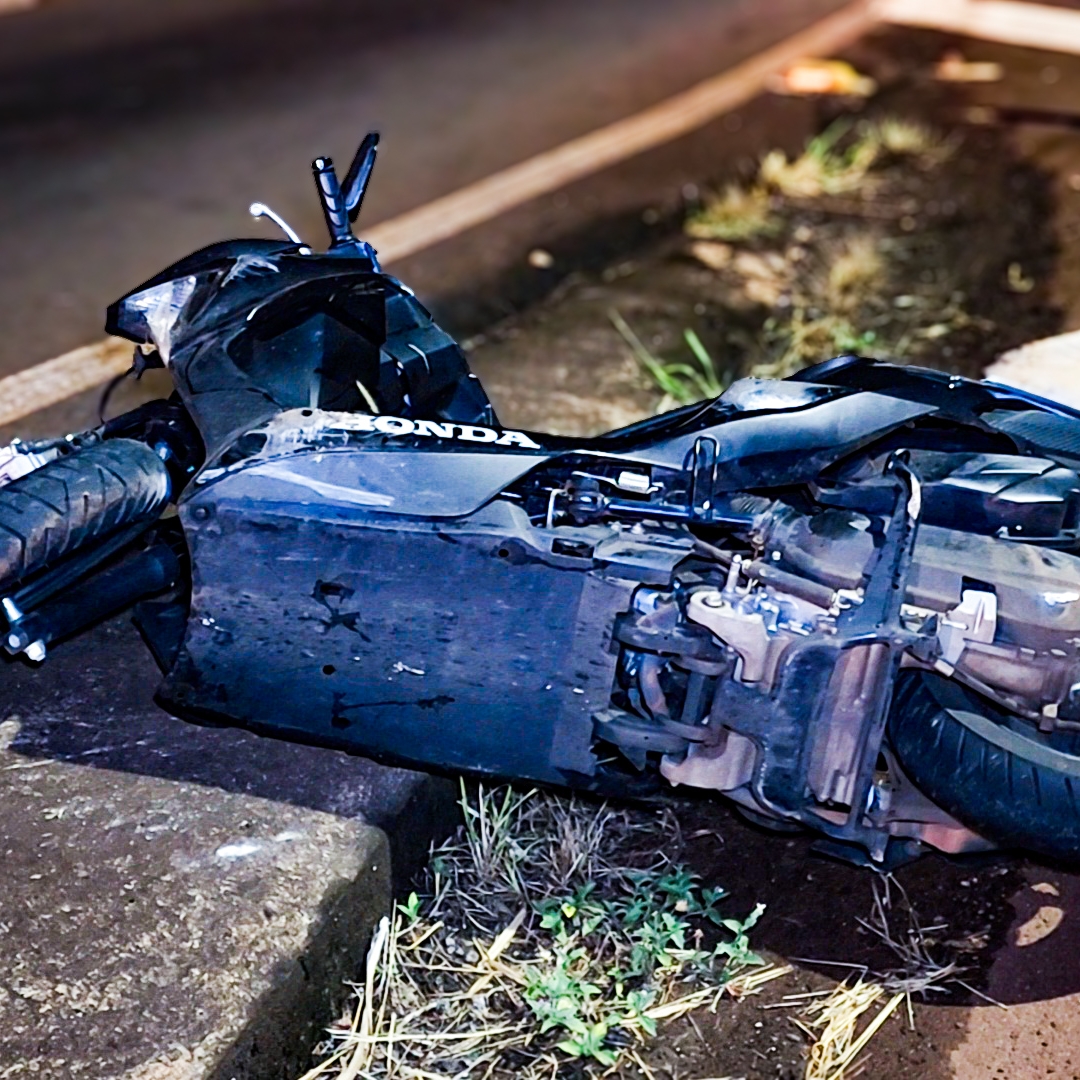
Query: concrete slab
(176,901)
(1049,368)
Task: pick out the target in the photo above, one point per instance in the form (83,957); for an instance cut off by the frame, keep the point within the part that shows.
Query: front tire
(995,773)
(75,500)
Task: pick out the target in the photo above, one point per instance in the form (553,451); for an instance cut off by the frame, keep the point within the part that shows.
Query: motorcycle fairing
(304,456)
(777,447)
(263,327)
(1030,422)
(467,643)
(351,560)
(479,642)
(785,433)
(437,476)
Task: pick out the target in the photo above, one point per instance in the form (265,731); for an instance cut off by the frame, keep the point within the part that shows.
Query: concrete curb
(1048,367)
(180,902)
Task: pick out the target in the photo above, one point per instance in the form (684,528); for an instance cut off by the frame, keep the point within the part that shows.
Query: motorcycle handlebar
(341,201)
(334,207)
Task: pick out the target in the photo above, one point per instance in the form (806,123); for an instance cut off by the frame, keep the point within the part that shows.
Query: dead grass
(735,214)
(816,239)
(842,1022)
(549,930)
(835,1024)
(841,160)
(829,165)
(555,937)
(901,137)
(855,272)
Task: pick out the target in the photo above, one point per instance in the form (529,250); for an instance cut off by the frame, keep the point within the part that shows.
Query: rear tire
(995,773)
(76,500)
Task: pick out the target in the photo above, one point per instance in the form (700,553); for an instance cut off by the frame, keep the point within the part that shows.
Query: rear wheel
(76,500)
(994,772)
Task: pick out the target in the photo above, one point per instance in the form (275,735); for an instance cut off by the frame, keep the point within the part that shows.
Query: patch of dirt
(940,259)
(812,911)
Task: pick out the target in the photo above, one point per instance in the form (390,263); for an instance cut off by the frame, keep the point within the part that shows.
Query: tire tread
(1019,803)
(75,500)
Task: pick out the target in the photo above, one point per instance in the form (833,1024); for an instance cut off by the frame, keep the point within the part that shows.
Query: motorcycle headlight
(152,314)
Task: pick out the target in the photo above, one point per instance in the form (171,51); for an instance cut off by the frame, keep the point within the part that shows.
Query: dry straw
(550,929)
(842,1022)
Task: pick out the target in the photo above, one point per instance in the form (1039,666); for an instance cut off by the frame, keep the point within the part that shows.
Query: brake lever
(259,210)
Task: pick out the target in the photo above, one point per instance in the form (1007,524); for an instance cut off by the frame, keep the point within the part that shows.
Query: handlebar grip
(333,202)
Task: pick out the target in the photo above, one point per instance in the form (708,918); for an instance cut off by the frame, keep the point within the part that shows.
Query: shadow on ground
(92,704)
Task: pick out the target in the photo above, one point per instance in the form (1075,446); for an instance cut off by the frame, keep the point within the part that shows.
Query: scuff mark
(339,707)
(332,596)
(435,702)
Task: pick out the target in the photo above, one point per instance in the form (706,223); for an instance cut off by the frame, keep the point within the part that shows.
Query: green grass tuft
(681,383)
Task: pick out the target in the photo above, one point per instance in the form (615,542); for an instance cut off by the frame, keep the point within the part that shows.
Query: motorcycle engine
(986,605)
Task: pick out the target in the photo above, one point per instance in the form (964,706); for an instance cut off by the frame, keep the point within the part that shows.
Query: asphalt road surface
(131,133)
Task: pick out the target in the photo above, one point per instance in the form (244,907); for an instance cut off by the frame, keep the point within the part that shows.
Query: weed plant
(682,383)
(810,237)
(549,930)
(736,214)
(840,160)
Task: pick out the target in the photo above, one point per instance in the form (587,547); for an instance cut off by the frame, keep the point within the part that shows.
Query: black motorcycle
(848,601)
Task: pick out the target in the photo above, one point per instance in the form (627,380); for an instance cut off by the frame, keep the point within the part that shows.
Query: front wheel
(996,773)
(76,500)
